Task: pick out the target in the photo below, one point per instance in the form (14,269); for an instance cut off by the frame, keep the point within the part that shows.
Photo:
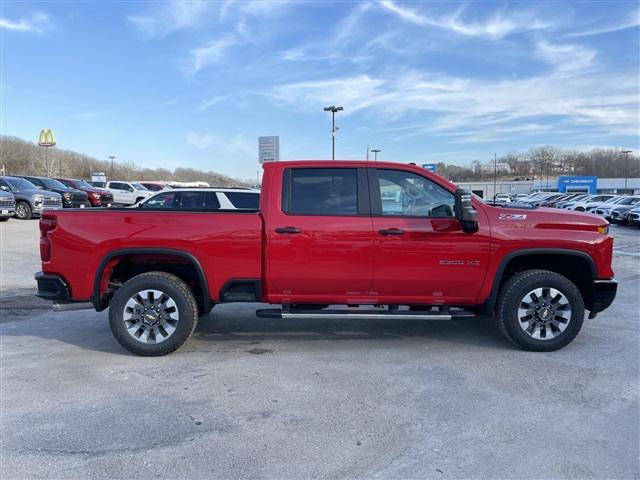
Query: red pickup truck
(332,239)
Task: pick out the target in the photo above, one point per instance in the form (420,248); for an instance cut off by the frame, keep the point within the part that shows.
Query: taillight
(47,223)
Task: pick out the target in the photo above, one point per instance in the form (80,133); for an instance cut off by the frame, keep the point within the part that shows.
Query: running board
(452,314)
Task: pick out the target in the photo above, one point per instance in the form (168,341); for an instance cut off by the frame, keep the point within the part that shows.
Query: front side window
(323,191)
(410,195)
(162,200)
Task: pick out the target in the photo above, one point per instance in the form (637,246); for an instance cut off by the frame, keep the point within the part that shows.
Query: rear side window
(199,201)
(323,191)
(117,186)
(244,200)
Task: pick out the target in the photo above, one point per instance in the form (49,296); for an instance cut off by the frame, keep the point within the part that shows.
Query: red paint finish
(331,259)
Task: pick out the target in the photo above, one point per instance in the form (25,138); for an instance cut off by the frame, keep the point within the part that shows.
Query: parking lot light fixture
(626,166)
(333,109)
(375,154)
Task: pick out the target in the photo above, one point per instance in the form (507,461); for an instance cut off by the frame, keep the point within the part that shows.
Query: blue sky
(195,83)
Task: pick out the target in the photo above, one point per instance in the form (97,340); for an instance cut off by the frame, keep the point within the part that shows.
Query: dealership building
(586,184)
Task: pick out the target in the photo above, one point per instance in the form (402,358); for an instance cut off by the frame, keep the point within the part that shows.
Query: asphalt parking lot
(257,398)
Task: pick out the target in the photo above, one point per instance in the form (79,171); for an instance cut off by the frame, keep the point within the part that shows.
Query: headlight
(38,198)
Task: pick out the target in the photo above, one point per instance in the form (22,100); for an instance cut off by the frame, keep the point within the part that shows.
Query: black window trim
(363,201)
(376,198)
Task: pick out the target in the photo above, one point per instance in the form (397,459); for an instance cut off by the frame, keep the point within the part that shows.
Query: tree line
(550,161)
(20,157)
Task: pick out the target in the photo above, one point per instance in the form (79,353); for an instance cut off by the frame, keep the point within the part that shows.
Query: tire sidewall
(514,296)
(172,286)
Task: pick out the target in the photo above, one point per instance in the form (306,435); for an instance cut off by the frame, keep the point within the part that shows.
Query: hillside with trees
(20,157)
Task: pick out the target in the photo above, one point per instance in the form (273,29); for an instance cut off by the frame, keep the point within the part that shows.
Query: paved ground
(284,399)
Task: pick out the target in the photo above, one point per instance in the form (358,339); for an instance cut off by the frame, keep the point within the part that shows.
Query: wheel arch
(101,300)
(576,265)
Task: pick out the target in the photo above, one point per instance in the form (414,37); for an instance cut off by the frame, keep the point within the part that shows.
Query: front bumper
(603,292)
(52,287)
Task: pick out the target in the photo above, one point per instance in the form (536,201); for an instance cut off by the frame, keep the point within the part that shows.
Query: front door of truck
(319,239)
(421,253)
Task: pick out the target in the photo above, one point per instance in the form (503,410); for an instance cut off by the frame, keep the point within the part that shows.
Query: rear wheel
(23,211)
(539,310)
(153,314)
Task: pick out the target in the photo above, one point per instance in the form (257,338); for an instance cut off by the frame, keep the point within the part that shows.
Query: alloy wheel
(151,316)
(544,313)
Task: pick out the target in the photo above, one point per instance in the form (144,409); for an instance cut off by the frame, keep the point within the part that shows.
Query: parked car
(30,200)
(615,200)
(581,205)
(98,197)
(502,198)
(542,199)
(554,202)
(127,193)
(7,205)
(633,216)
(71,198)
(519,196)
(376,234)
(154,186)
(618,213)
(576,198)
(97,184)
(203,199)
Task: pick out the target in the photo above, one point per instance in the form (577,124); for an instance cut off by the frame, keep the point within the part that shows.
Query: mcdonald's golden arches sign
(46,138)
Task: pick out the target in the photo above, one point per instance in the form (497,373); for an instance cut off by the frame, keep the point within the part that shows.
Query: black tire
(513,294)
(23,211)
(176,290)
(579,209)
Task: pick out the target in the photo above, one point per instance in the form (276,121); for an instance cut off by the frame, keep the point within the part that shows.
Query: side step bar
(452,314)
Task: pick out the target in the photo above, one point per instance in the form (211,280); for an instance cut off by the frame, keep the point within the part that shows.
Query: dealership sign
(568,183)
(431,167)
(268,149)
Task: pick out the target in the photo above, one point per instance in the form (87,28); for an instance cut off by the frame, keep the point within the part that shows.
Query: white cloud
(566,57)
(206,104)
(237,144)
(37,23)
(632,21)
(497,26)
(166,17)
(211,53)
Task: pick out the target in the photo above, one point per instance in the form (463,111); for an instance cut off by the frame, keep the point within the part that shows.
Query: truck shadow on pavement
(238,326)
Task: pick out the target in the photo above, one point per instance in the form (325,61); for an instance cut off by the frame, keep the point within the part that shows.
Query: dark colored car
(98,197)
(71,198)
(30,200)
(7,205)
(153,186)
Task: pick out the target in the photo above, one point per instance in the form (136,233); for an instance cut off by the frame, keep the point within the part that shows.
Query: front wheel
(153,314)
(23,211)
(539,310)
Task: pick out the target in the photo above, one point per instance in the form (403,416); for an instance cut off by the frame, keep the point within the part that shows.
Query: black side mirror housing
(464,211)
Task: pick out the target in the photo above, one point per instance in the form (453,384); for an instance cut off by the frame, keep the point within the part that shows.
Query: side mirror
(4,187)
(464,211)
(130,189)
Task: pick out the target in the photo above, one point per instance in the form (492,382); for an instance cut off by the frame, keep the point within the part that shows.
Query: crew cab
(369,239)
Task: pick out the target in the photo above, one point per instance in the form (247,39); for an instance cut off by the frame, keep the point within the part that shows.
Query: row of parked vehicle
(618,209)
(25,197)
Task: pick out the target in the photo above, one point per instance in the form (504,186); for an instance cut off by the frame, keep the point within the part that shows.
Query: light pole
(626,166)
(112,157)
(333,109)
(375,154)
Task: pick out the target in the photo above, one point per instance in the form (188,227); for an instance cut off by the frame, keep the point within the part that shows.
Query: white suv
(128,193)
(204,199)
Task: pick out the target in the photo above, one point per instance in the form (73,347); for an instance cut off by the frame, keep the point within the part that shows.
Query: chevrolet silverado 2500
(379,239)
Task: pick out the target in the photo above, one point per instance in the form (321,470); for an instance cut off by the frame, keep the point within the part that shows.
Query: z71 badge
(512,216)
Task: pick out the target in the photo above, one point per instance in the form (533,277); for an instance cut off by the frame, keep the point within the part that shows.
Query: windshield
(82,184)
(137,186)
(629,201)
(21,184)
(51,183)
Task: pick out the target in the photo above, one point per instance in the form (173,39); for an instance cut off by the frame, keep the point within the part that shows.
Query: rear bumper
(52,287)
(602,295)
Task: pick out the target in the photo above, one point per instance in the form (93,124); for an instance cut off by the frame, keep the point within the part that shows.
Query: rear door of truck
(320,237)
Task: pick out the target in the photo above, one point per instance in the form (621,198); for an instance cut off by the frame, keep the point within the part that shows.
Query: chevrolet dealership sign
(268,149)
